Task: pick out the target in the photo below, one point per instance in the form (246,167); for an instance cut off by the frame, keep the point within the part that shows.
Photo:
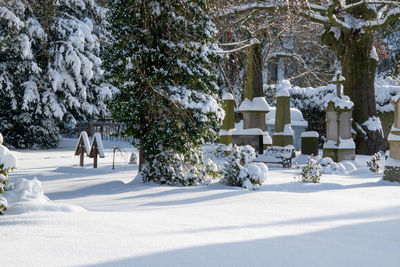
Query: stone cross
(338,80)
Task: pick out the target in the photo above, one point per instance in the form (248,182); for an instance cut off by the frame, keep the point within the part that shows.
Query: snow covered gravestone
(339,144)
(96,149)
(392,166)
(283,133)
(228,124)
(254,107)
(82,147)
(309,143)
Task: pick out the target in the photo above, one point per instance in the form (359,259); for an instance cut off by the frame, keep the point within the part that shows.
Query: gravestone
(228,124)
(283,133)
(298,124)
(339,144)
(251,137)
(309,143)
(392,166)
(82,147)
(254,107)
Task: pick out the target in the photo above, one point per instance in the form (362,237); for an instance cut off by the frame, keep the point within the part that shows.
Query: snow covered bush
(50,72)
(375,165)
(7,163)
(162,60)
(3,205)
(311,172)
(240,171)
(329,166)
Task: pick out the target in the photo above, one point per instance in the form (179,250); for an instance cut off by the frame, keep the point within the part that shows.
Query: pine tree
(162,60)
(50,69)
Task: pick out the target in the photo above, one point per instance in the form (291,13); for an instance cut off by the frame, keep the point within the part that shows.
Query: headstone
(254,107)
(392,166)
(339,144)
(82,147)
(309,143)
(96,149)
(251,137)
(228,124)
(298,124)
(283,133)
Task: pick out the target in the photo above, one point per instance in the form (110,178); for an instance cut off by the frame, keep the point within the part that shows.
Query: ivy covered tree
(162,60)
(50,69)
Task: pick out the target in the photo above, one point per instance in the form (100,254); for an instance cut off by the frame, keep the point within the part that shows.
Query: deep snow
(348,219)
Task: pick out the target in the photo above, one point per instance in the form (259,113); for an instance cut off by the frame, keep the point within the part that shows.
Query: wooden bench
(278,155)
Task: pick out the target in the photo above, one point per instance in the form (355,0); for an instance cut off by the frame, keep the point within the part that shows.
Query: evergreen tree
(162,60)
(50,68)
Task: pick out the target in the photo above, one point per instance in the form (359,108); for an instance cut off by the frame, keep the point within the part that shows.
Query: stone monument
(339,144)
(228,124)
(283,133)
(392,166)
(254,107)
(309,143)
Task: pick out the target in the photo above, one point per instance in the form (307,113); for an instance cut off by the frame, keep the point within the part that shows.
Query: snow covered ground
(101,217)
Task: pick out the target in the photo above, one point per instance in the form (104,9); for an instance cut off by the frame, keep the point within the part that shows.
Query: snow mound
(331,167)
(27,196)
(255,175)
(7,158)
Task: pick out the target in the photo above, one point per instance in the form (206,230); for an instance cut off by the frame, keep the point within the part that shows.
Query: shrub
(7,163)
(239,171)
(374,165)
(312,171)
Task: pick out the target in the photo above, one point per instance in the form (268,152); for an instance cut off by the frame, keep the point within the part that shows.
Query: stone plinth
(339,145)
(392,167)
(228,124)
(283,133)
(254,113)
(298,124)
(309,143)
(252,137)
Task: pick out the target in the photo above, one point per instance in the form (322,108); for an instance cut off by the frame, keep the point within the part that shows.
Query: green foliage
(50,71)
(162,61)
(311,172)
(238,159)
(3,205)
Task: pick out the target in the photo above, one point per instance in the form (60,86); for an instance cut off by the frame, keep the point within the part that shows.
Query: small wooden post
(96,149)
(81,155)
(82,147)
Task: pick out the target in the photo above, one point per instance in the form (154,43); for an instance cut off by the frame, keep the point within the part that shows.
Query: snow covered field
(101,217)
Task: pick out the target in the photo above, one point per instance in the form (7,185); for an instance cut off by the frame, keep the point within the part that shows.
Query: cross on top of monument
(338,79)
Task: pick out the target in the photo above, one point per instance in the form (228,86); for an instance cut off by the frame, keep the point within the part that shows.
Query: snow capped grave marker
(283,133)
(254,107)
(228,124)
(392,166)
(339,144)
(309,143)
(82,147)
(96,149)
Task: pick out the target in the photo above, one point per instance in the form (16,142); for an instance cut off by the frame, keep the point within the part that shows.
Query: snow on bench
(277,154)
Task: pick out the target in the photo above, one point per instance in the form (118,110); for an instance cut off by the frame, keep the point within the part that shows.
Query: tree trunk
(141,154)
(359,68)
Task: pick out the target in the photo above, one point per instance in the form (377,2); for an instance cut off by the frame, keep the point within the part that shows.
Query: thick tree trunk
(359,69)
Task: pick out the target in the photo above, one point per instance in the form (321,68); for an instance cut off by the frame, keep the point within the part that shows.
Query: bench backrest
(279,151)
